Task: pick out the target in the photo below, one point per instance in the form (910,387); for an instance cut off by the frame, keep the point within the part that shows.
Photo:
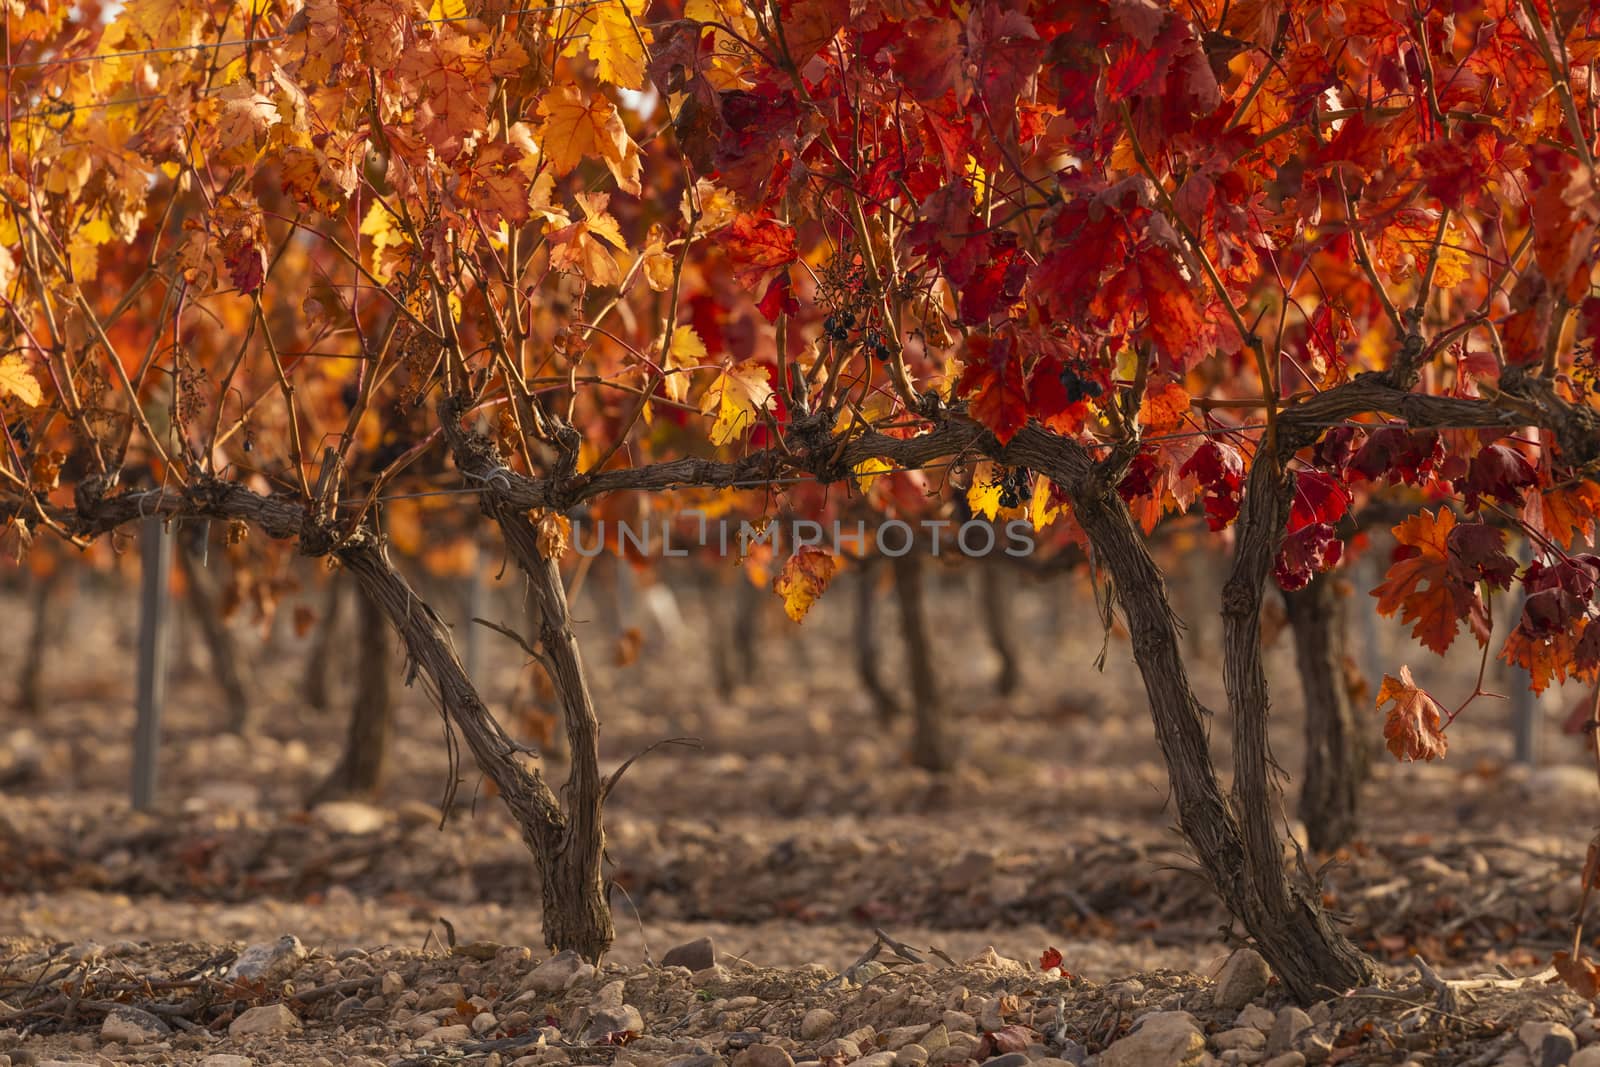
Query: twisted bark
(930,746)
(359,771)
(997,625)
(868,650)
(227,666)
(1335,764)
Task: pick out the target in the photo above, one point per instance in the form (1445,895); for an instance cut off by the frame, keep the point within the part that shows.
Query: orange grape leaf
(1565,513)
(1421,584)
(1163,407)
(803,579)
(1578,973)
(576,126)
(1546,658)
(578,247)
(1414,729)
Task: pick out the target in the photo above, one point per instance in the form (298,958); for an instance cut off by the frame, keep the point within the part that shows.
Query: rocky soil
(787,891)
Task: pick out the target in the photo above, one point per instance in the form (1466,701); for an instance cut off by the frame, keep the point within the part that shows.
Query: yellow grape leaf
(867,472)
(577,125)
(730,63)
(616,43)
(452,10)
(983,497)
(1414,728)
(803,579)
(16,379)
(1454,264)
(740,393)
(1041,512)
(611,34)
(686,352)
(384,229)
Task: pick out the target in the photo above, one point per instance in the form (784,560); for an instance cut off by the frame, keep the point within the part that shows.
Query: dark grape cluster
(873,342)
(1013,483)
(1079,387)
(20,434)
(839,324)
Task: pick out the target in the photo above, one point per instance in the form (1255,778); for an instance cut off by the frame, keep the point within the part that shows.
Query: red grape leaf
(1500,472)
(756,245)
(1400,454)
(1414,728)
(993,381)
(1050,957)
(1318,498)
(1305,553)
(1219,470)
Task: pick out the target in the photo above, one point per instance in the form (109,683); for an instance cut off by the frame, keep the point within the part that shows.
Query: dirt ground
(788,835)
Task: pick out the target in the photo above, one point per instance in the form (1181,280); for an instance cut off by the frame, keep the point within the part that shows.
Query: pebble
(613,1021)
(960,1021)
(1243,978)
(132,1026)
(1288,1059)
(1286,1031)
(392,983)
(269,962)
(227,1059)
(763,1056)
(1010,1059)
(1160,1039)
(267,1019)
(817,1024)
(445,995)
(840,1046)
(1072,1055)
(1254,1015)
(350,817)
(694,955)
(912,1055)
(900,1036)
(559,972)
(483,1022)
(440,1035)
(877,1059)
(1586,1057)
(1247,1038)
(1548,1044)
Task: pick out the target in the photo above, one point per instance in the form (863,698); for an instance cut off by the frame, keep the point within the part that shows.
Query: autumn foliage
(1269,265)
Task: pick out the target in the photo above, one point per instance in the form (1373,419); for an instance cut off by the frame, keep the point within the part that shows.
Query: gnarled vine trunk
(1335,761)
(48,617)
(566,837)
(359,771)
(997,624)
(319,664)
(1236,844)
(567,849)
(868,651)
(205,598)
(930,747)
